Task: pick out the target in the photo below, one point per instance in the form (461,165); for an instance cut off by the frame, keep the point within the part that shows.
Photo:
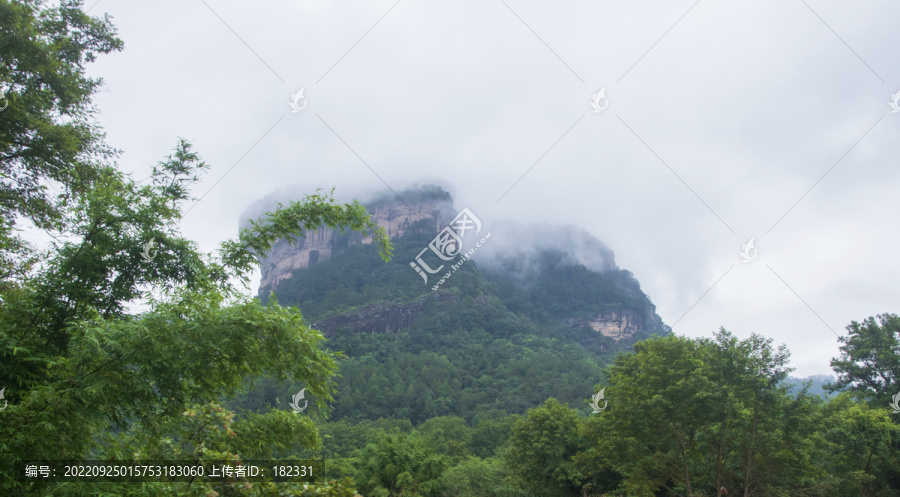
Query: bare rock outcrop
(619,324)
(394,215)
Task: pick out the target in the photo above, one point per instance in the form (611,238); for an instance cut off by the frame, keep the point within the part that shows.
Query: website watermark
(296,401)
(4,102)
(448,245)
(595,401)
(748,251)
(596,100)
(298,101)
(149,252)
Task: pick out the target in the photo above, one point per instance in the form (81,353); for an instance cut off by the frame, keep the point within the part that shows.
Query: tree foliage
(87,379)
(51,151)
(869,364)
(542,447)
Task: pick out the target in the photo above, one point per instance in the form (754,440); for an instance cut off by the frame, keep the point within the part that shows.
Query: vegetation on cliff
(481,343)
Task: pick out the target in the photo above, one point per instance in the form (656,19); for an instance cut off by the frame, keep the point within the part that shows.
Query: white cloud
(749,103)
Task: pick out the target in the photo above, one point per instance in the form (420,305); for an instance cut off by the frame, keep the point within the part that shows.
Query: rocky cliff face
(616,325)
(619,325)
(387,317)
(557,276)
(392,214)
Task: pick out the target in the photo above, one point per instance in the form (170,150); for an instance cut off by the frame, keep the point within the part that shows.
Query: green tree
(448,435)
(400,464)
(748,407)
(51,151)
(541,449)
(869,368)
(861,455)
(474,477)
(869,364)
(491,430)
(86,379)
(691,416)
(658,397)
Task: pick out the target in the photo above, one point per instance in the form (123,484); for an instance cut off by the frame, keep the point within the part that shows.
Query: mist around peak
(523,247)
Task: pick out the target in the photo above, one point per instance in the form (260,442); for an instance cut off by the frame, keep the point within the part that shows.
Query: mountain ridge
(509,329)
(425,211)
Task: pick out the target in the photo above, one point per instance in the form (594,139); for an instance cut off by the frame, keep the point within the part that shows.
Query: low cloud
(514,241)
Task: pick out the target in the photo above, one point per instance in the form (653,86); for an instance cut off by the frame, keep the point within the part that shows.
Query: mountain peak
(555,275)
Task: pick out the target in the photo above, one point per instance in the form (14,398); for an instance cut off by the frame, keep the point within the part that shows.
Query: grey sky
(748,103)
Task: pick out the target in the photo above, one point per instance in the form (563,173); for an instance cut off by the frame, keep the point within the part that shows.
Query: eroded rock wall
(395,217)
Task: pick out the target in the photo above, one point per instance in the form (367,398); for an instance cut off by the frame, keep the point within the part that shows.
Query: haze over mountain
(513,240)
(535,312)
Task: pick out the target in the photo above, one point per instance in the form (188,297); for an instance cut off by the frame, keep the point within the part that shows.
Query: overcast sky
(724,121)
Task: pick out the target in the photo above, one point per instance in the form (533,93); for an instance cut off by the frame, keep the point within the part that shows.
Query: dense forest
(483,343)
(486,393)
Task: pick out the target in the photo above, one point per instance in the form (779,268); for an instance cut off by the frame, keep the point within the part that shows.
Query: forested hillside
(478,388)
(504,340)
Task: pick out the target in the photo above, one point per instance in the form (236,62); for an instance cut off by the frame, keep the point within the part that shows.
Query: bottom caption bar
(307,470)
